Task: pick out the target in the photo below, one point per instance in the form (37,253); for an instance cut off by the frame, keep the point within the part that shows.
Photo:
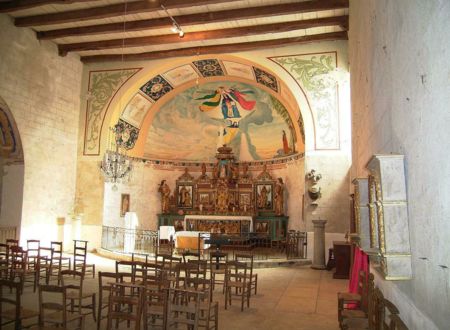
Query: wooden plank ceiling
(120,30)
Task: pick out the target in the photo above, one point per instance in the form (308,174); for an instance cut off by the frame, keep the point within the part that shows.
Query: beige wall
(42,90)
(399,59)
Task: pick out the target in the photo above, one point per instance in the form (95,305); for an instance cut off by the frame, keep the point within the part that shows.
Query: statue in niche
(165,196)
(263,195)
(279,197)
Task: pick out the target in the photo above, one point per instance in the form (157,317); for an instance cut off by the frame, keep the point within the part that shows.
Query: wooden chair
(73,281)
(45,263)
(253,278)
(33,253)
(53,311)
(209,310)
(104,287)
(237,280)
(127,269)
(16,314)
(356,300)
(125,304)
(80,257)
(59,261)
(218,265)
(183,309)
(4,261)
(155,306)
(12,242)
(19,267)
(170,265)
(364,318)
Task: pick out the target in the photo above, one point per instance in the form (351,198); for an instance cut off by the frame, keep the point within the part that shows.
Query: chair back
(127,269)
(183,308)
(72,280)
(79,254)
(4,260)
(18,258)
(52,302)
(218,260)
(237,271)
(247,258)
(12,242)
(7,301)
(125,294)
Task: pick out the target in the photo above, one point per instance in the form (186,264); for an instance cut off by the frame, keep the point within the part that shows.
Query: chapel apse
(191,125)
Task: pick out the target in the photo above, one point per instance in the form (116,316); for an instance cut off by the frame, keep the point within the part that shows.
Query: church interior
(233,164)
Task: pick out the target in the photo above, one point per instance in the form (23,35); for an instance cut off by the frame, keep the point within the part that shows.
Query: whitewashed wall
(400,79)
(42,90)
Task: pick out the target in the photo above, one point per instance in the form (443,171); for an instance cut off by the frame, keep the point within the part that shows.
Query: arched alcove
(11,171)
(171,120)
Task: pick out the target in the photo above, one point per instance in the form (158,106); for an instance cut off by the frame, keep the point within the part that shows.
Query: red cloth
(360,262)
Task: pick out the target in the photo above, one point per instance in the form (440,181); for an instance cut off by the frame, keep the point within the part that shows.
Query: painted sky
(181,131)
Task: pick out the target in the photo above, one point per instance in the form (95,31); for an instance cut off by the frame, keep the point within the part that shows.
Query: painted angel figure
(228,99)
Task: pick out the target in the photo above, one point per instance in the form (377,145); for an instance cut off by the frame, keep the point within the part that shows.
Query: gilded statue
(279,197)
(165,196)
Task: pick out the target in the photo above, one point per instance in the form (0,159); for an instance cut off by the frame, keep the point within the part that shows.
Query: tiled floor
(295,297)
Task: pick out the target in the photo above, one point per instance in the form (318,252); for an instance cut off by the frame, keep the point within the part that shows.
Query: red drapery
(360,262)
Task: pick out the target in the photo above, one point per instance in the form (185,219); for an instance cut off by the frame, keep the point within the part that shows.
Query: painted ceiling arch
(185,112)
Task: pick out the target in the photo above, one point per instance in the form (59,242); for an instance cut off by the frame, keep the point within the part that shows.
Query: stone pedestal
(319,244)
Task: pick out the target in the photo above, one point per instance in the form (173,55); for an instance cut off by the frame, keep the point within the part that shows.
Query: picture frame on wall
(264,196)
(124,204)
(185,196)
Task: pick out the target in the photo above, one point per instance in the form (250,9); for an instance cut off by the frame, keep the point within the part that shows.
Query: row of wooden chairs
(368,308)
(57,303)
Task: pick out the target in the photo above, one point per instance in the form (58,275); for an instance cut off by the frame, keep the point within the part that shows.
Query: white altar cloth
(219,217)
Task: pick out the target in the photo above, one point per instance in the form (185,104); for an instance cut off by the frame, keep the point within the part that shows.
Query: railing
(124,240)
(7,233)
(145,242)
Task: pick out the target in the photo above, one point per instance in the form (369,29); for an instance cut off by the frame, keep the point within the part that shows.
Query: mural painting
(248,119)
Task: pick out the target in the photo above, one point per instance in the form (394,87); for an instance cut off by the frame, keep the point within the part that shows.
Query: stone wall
(400,73)
(42,90)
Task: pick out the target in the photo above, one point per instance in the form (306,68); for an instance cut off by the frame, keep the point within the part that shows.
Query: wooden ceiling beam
(135,7)
(217,49)
(204,35)
(14,5)
(202,18)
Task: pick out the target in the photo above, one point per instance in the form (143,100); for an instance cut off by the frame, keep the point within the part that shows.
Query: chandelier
(116,167)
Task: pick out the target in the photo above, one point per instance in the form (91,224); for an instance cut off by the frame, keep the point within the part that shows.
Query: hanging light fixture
(116,167)
(176,28)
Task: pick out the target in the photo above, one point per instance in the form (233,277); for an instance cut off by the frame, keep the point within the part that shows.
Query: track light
(176,28)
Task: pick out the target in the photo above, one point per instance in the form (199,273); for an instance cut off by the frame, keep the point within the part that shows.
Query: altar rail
(145,242)
(115,238)
(7,233)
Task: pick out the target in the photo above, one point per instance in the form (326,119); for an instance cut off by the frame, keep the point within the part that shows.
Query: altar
(229,200)
(220,224)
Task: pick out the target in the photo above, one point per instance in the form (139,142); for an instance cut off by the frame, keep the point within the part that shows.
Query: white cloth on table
(165,232)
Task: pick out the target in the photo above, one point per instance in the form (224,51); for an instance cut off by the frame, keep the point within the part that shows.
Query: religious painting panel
(136,110)
(245,200)
(178,224)
(264,196)
(262,227)
(185,196)
(204,198)
(124,204)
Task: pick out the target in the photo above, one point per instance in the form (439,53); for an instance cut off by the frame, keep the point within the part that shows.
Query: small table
(342,255)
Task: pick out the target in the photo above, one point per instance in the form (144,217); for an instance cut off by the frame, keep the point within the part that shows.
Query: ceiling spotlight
(176,28)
